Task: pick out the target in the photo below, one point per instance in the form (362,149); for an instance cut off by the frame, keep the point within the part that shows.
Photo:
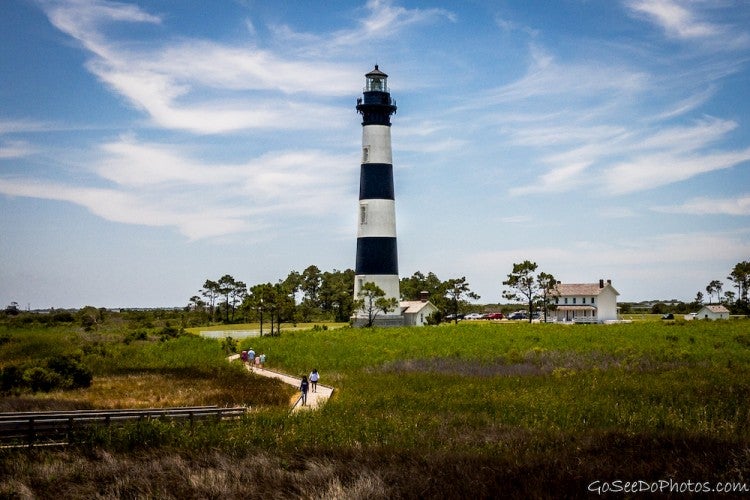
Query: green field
(477,409)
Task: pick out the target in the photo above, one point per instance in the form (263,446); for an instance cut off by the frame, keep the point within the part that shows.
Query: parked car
(495,316)
(668,316)
(518,315)
(452,317)
(474,316)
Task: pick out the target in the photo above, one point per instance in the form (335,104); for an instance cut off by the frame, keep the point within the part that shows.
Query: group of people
(249,356)
(306,385)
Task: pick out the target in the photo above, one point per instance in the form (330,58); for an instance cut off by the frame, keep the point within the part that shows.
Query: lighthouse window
(365,154)
(363,214)
(376,84)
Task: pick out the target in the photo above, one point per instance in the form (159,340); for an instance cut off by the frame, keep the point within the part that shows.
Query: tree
(233,292)
(457,291)
(714,287)
(260,300)
(547,286)
(411,288)
(372,301)
(740,276)
(311,281)
(698,299)
(526,287)
(211,292)
(337,294)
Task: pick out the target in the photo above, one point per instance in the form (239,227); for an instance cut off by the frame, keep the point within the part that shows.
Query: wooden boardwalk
(314,399)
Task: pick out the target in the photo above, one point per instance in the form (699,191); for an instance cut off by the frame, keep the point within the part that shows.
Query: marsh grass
(476,410)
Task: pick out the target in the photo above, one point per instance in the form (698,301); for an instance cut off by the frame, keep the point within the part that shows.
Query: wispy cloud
(589,124)
(14,149)
(738,206)
(201,199)
(383,20)
(675,17)
(690,22)
(207,87)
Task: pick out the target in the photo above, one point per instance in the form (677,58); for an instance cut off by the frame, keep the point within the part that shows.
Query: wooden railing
(30,428)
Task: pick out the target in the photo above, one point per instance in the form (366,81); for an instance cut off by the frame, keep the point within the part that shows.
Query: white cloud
(739,206)
(184,84)
(659,169)
(547,78)
(159,185)
(14,149)
(675,18)
(383,20)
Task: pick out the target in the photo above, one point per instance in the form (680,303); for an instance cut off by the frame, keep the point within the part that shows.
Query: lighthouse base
(380,321)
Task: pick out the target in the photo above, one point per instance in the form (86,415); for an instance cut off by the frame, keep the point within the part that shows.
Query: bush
(136,335)
(10,377)
(63,317)
(40,379)
(170,332)
(72,373)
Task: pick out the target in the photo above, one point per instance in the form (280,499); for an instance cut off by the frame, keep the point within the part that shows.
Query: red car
(495,316)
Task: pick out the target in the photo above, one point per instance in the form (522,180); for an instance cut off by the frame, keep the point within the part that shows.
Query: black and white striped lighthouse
(377,257)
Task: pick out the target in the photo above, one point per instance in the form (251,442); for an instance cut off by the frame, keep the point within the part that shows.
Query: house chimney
(424,295)
(609,282)
(601,283)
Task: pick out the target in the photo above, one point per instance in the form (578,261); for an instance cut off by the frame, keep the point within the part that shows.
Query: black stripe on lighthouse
(376,181)
(376,255)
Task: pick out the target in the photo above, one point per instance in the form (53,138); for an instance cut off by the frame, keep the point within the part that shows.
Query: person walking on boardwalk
(314,376)
(303,387)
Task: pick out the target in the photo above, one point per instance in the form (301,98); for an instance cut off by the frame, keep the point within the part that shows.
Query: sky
(149,145)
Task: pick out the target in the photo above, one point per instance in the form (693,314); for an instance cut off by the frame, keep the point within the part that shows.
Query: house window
(592,300)
(362,215)
(574,300)
(566,300)
(584,300)
(557,301)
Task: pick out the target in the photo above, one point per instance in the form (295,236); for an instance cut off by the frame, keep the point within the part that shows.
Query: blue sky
(146,146)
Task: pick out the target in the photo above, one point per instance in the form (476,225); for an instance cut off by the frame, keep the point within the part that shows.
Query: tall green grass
(480,409)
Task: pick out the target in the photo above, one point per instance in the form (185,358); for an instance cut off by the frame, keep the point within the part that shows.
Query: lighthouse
(377,256)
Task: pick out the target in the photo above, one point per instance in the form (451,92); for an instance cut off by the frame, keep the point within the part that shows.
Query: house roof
(716,308)
(414,306)
(569,289)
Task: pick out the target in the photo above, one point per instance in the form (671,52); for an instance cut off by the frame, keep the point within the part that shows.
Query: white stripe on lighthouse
(376,144)
(377,218)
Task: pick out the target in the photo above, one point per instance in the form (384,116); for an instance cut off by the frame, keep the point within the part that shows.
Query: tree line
(736,302)
(312,295)
(315,295)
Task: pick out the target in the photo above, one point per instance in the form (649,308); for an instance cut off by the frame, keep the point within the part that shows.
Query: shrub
(136,335)
(11,377)
(40,379)
(63,317)
(73,374)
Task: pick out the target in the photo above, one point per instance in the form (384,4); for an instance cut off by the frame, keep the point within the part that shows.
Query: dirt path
(314,399)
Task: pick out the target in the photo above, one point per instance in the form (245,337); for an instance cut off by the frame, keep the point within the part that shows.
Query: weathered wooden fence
(30,428)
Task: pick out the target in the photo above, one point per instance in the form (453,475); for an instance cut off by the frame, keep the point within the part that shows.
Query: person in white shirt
(314,379)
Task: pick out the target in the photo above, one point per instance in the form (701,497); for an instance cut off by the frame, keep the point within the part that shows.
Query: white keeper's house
(712,311)
(586,302)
